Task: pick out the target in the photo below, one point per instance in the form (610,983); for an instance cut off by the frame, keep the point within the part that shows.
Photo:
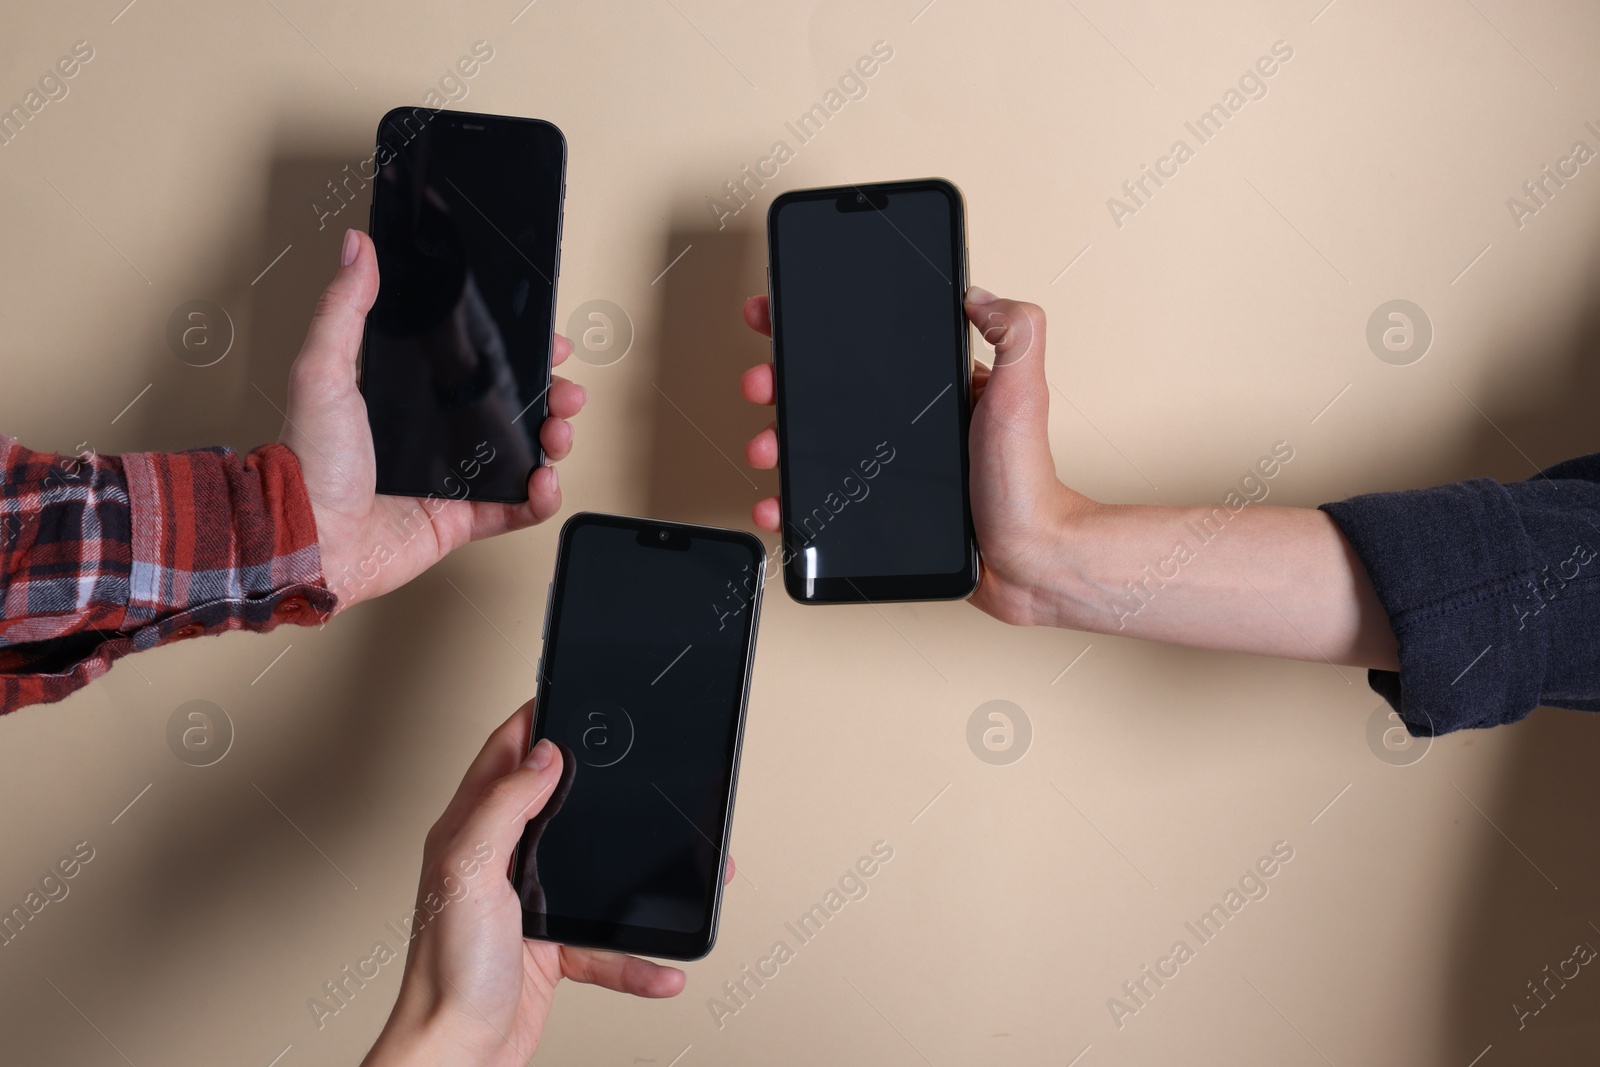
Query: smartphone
(650,632)
(466,219)
(873,372)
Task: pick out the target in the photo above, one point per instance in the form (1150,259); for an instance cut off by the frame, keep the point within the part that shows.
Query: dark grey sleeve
(1493,591)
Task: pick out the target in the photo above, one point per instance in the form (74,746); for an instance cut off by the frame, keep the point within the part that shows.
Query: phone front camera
(662,535)
(861,198)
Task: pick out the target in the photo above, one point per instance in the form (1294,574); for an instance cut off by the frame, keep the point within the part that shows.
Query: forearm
(1265,580)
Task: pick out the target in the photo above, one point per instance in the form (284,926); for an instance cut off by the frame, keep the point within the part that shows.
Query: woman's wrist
(1064,592)
(414,1037)
(1039,578)
(1112,559)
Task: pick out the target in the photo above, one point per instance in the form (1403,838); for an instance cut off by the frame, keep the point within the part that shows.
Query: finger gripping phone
(466,220)
(650,636)
(872,373)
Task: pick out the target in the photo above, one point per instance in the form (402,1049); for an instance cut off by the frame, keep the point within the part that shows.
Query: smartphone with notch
(650,634)
(872,372)
(455,369)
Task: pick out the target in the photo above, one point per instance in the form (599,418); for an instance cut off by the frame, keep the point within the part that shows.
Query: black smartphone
(873,372)
(466,219)
(650,632)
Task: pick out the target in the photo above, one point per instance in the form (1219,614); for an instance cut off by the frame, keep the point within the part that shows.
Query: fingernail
(540,757)
(351,244)
(979,296)
(555,479)
(583,395)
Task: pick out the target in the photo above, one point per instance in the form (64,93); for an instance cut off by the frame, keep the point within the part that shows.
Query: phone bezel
(542,404)
(853,589)
(620,937)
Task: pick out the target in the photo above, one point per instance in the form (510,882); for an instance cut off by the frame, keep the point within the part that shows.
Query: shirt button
(192,629)
(290,606)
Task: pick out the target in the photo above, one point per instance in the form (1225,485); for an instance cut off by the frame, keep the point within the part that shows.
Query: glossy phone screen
(645,675)
(872,372)
(466,220)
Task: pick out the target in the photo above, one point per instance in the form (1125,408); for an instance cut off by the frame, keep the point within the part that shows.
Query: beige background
(1223,317)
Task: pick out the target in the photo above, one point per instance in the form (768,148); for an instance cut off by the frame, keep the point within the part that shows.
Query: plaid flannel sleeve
(101,556)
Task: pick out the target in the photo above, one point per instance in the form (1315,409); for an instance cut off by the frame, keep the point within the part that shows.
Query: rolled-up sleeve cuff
(110,555)
(1453,568)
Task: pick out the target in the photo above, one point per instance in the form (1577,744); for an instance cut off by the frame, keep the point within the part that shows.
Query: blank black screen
(466,217)
(644,683)
(870,351)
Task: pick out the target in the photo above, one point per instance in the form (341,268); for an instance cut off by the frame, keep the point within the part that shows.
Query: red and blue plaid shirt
(101,556)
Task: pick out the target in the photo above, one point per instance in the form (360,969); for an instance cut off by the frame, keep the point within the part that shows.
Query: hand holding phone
(866,283)
(1019,506)
(649,641)
(474,992)
(467,218)
(370,544)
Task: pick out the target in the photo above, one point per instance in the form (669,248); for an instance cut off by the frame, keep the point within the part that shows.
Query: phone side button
(538,671)
(549,597)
